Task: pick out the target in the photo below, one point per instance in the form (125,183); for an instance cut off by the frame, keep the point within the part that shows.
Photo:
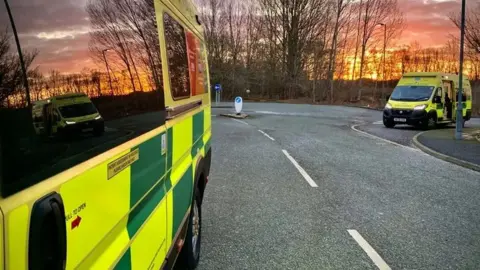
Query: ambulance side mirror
(437,99)
(387,98)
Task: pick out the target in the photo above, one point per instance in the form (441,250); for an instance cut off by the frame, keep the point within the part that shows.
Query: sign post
(459,118)
(238,105)
(218,89)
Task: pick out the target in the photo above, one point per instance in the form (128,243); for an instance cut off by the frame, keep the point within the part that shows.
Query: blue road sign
(238,104)
(218,87)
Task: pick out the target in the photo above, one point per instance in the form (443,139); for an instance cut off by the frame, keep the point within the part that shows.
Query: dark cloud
(33,16)
(58,29)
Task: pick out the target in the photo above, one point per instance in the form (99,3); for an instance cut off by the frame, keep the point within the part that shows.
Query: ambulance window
(95,82)
(196,63)
(176,46)
(439,92)
(201,84)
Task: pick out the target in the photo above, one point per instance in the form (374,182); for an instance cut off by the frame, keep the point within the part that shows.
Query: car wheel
(190,254)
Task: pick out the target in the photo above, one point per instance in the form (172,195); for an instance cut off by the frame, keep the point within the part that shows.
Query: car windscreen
(412,93)
(77,110)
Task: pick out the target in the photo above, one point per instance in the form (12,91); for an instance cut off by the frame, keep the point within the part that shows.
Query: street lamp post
(20,54)
(108,69)
(459,117)
(384,56)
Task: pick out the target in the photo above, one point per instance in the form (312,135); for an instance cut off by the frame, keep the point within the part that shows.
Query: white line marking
(240,121)
(379,262)
(266,135)
(300,169)
(214,115)
(354,127)
(378,123)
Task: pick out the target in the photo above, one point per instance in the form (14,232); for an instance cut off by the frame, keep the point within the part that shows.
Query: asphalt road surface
(403,134)
(295,187)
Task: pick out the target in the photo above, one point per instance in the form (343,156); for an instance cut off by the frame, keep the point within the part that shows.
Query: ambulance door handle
(47,247)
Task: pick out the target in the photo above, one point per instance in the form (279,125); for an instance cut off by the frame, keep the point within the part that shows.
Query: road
(262,209)
(403,133)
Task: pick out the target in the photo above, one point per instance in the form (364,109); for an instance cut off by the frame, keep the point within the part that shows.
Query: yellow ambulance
(132,198)
(67,115)
(427,99)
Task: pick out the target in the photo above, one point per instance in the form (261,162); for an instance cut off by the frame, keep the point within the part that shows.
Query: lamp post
(108,69)
(20,55)
(384,56)
(459,116)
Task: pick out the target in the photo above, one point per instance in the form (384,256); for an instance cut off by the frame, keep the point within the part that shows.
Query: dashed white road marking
(378,123)
(300,169)
(266,135)
(240,121)
(214,115)
(354,127)
(379,262)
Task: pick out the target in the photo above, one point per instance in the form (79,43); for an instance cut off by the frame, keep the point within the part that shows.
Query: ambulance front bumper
(83,126)
(405,116)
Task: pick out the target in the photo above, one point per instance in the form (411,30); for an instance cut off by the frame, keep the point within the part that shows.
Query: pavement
(442,144)
(261,210)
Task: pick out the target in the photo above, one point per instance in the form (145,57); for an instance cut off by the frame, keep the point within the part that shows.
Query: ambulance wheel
(388,123)
(190,254)
(430,123)
(98,131)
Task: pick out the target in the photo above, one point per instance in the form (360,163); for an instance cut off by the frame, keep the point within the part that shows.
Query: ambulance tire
(388,123)
(430,123)
(190,254)
(98,131)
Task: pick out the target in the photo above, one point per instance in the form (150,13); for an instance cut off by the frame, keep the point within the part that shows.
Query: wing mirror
(437,99)
(387,98)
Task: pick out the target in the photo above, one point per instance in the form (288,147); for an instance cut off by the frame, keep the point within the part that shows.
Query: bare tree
(340,7)
(357,41)
(120,26)
(294,25)
(235,13)
(472,26)
(11,75)
(376,12)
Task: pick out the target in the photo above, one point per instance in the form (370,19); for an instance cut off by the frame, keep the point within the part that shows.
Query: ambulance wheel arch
(201,173)
(189,256)
(432,115)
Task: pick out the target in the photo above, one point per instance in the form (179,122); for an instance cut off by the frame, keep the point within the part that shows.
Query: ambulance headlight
(420,107)
(388,106)
(98,117)
(70,122)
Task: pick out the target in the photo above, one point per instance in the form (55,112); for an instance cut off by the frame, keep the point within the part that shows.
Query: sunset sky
(60,29)
(428,20)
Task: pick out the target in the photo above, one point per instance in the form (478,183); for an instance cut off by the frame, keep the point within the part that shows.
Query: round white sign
(238,104)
